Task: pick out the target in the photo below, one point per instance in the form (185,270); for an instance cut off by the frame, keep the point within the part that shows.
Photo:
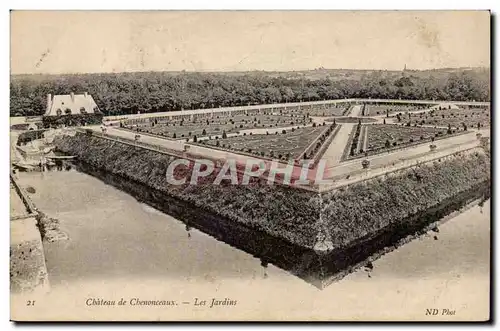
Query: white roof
(75,104)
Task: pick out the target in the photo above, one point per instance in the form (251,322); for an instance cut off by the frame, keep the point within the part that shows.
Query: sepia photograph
(250,165)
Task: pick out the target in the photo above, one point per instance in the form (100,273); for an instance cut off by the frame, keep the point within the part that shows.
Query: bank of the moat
(282,225)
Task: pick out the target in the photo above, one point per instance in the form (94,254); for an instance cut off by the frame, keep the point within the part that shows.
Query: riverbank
(28,272)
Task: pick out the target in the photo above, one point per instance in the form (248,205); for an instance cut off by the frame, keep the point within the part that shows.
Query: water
(120,247)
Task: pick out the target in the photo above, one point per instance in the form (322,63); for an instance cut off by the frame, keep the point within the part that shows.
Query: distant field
(287,145)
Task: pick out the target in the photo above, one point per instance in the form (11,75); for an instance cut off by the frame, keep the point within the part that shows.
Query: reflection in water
(112,234)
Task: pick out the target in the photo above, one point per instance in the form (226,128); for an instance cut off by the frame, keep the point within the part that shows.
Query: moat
(114,239)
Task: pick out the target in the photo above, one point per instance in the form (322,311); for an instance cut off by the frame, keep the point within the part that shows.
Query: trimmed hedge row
(72,120)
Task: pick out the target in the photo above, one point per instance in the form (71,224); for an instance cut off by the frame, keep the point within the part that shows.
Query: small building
(70,104)
(71,110)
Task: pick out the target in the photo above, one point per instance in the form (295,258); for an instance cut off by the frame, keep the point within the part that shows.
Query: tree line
(129,93)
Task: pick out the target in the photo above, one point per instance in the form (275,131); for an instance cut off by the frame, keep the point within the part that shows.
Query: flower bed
(386,135)
(289,144)
(217,125)
(456,118)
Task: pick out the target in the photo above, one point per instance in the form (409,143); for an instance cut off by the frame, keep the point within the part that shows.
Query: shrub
(283,132)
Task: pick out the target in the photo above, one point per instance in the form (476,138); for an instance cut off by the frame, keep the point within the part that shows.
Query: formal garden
(384,136)
(389,109)
(456,118)
(284,145)
(338,109)
(216,125)
(370,139)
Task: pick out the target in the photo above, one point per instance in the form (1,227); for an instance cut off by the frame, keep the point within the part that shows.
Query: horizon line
(248,71)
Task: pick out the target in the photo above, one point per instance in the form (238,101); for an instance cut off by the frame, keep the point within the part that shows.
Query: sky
(116,41)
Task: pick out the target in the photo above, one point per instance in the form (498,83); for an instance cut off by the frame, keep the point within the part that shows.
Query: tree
(224,134)
(204,132)
(384,120)
(195,139)
(174,135)
(387,143)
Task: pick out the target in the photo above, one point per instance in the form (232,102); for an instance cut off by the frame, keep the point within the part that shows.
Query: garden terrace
(330,110)
(180,129)
(456,118)
(380,136)
(351,119)
(378,109)
(355,211)
(289,144)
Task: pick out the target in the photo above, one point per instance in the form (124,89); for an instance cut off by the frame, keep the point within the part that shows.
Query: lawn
(289,145)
